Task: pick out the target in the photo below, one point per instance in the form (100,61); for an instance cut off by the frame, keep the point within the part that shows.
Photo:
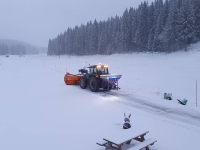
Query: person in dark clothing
(127,123)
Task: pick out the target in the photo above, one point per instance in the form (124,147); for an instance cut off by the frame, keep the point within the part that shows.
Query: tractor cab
(98,69)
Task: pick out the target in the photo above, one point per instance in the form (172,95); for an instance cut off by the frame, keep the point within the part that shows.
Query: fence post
(196,93)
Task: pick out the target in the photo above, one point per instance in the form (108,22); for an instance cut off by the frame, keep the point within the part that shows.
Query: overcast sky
(37,21)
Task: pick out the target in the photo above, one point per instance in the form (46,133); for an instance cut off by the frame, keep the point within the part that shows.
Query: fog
(37,21)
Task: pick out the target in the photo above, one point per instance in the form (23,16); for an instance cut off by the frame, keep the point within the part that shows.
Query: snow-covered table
(116,140)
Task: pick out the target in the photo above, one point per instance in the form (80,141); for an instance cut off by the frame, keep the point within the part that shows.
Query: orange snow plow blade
(71,79)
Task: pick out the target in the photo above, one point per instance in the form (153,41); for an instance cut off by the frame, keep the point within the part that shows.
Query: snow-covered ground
(39,112)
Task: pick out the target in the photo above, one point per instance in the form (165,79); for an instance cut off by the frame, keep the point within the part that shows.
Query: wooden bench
(143,144)
(104,143)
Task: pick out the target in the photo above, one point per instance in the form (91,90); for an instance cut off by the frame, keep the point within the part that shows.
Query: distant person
(127,123)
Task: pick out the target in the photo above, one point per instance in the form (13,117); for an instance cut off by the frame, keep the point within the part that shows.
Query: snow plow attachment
(71,79)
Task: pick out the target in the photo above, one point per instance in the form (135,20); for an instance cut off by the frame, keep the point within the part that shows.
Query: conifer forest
(161,26)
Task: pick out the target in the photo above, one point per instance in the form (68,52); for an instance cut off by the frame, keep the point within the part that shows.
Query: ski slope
(38,111)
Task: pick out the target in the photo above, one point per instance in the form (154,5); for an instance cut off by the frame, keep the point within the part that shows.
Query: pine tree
(111,36)
(170,31)
(135,23)
(82,39)
(117,35)
(142,29)
(165,12)
(87,39)
(186,24)
(151,17)
(102,39)
(151,26)
(125,30)
(76,41)
(151,40)
(95,33)
(70,41)
(196,8)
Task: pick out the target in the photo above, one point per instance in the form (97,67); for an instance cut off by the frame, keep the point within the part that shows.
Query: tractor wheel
(83,83)
(94,84)
(106,88)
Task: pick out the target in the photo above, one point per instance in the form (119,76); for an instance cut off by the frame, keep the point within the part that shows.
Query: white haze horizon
(35,21)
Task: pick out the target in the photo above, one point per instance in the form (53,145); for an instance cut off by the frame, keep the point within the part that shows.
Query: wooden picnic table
(116,140)
(125,137)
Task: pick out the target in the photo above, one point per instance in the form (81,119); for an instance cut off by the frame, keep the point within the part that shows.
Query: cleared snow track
(184,115)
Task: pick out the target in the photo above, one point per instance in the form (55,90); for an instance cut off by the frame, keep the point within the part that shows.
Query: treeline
(162,26)
(12,50)
(14,47)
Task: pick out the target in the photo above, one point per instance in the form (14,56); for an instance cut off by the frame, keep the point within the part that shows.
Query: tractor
(96,77)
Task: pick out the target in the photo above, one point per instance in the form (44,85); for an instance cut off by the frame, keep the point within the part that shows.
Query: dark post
(196,93)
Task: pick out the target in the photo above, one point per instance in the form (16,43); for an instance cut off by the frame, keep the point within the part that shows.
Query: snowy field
(39,112)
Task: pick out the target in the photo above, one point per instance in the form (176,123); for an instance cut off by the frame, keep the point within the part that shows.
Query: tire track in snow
(189,117)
